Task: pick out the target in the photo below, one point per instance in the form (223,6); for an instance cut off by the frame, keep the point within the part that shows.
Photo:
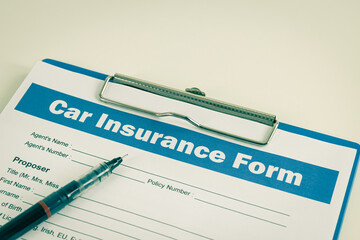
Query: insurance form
(176,182)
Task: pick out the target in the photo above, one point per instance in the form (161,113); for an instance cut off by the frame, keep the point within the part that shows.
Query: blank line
(28,203)
(111,230)
(128,178)
(232,210)
(85,234)
(219,194)
(90,154)
(139,215)
(118,220)
(81,163)
(113,173)
(39,195)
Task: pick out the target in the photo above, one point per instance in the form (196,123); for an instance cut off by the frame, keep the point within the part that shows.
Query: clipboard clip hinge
(194,96)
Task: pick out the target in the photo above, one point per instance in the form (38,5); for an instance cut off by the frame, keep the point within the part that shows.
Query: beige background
(296,59)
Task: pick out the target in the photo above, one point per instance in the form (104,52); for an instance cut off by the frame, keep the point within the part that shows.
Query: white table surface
(299,60)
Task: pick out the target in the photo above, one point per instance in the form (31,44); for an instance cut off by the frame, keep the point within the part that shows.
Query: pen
(47,207)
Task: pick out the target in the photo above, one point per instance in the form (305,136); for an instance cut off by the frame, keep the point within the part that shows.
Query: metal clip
(197,99)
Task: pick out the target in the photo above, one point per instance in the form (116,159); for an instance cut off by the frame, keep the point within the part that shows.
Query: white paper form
(176,183)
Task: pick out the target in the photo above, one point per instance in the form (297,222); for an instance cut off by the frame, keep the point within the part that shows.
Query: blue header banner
(274,171)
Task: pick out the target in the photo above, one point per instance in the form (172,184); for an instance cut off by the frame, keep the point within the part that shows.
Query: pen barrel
(57,200)
(39,212)
(23,222)
(92,177)
(54,202)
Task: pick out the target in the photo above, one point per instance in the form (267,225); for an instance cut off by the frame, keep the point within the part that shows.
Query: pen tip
(115,162)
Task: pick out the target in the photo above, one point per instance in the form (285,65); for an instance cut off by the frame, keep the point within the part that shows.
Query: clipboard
(266,147)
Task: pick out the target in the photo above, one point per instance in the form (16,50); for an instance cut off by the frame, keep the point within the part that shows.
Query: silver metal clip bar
(192,98)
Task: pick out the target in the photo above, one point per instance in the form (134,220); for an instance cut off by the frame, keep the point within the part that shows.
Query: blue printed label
(274,171)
